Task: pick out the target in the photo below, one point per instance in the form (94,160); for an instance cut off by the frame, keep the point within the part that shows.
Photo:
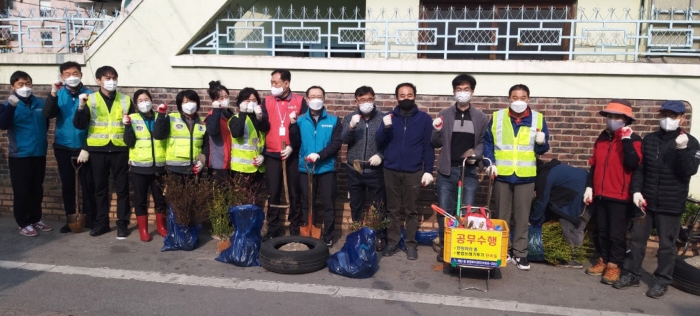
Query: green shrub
(558,251)
(218,215)
(690,210)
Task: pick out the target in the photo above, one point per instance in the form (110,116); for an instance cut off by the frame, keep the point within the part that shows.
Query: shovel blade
(76,222)
(357,166)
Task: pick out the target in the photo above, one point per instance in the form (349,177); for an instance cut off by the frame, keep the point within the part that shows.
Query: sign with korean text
(480,248)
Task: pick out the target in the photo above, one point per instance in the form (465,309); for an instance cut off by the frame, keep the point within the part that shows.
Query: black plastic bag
(245,242)
(535,251)
(180,237)
(358,258)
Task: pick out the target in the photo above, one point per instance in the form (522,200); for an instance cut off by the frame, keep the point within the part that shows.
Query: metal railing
(51,30)
(553,33)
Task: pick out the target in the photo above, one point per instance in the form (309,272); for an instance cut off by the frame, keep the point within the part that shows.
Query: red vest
(611,179)
(278,114)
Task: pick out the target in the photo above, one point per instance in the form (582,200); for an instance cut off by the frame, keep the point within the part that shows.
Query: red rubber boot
(142,221)
(160,224)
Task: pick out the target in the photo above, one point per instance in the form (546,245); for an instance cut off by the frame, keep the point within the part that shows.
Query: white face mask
(366,108)
(277,91)
(518,106)
(72,81)
(315,104)
(145,106)
(24,92)
(110,85)
(463,97)
(189,107)
(668,124)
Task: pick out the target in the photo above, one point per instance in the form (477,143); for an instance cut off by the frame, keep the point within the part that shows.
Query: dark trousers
(27,177)
(141,184)
(254,180)
(275,188)
(116,163)
(667,226)
(324,185)
(611,229)
(66,171)
(361,184)
(402,190)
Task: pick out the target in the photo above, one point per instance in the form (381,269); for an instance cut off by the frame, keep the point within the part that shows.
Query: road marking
(318,289)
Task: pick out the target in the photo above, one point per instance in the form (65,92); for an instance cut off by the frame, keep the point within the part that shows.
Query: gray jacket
(443,138)
(361,141)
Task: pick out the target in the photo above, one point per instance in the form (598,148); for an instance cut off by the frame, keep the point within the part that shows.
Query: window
(46,38)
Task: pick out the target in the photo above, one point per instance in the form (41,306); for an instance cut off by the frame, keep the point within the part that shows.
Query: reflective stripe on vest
(106,124)
(147,152)
(178,151)
(244,149)
(515,155)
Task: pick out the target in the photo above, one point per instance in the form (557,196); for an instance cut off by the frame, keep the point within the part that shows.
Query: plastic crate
(475,243)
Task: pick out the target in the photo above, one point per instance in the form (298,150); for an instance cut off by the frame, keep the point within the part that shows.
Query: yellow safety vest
(106,125)
(515,154)
(244,149)
(184,145)
(147,152)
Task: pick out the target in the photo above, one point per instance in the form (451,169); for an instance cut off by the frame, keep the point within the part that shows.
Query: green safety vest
(244,149)
(147,152)
(184,145)
(106,125)
(515,154)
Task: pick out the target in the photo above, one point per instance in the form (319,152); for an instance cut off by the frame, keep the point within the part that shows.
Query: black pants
(117,163)
(667,227)
(611,229)
(66,171)
(359,184)
(27,177)
(402,190)
(273,182)
(141,184)
(324,185)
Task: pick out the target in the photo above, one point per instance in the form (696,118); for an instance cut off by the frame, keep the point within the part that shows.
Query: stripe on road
(317,289)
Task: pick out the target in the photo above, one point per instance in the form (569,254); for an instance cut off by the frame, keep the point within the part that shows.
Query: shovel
(76,221)
(310,230)
(357,165)
(284,181)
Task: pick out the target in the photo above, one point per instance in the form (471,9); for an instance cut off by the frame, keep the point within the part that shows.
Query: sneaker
(269,236)
(626,280)
(42,227)
(440,258)
(411,253)
(597,269)
(612,274)
(28,231)
(122,230)
(657,290)
(510,258)
(381,244)
(65,229)
(329,243)
(390,250)
(100,229)
(573,264)
(522,263)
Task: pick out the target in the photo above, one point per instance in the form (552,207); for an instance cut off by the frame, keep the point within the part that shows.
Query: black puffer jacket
(664,176)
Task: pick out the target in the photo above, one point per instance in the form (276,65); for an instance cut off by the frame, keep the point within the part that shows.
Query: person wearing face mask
(404,136)
(514,137)
(616,155)
(70,143)
(248,140)
(670,156)
(273,116)
(20,116)
(317,137)
(456,130)
(147,164)
(359,128)
(219,134)
(103,115)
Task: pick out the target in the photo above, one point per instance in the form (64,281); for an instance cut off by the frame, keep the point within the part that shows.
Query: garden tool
(310,230)
(466,155)
(76,221)
(442,212)
(284,181)
(582,216)
(490,190)
(357,165)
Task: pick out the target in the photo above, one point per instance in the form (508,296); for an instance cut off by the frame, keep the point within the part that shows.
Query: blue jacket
(66,134)
(322,137)
(26,128)
(559,188)
(406,144)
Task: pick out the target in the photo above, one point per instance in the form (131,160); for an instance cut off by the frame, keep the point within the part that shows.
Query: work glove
(427,179)
(13,100)
(539,137)
(258,112)
(82,100)
(682,141)
(215,105)
(83,156)
(375,160)
(284,154)
(312,157)
(126,120)
(224,103)
(639,200)
(437,124)
(387,120)
(198,166)
(492,171)
(626,132)
(354,121)
(258,161)
(162,108)
(293,118)
(55,87)
(588,196)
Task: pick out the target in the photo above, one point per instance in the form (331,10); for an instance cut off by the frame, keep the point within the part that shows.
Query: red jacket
(613,163)
(278,111)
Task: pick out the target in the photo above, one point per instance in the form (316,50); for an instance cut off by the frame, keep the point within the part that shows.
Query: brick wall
(574,125)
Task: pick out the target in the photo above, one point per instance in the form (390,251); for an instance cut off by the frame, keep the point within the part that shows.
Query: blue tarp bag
(426,237)
(535,251)
(245,242)
(358,258)
(180,237)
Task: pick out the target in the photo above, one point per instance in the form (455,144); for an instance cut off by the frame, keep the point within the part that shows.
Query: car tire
(686,277)
(293,262)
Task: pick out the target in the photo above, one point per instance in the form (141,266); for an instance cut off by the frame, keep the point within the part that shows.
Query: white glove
(539,138)
(83,156)
(13,100)
(437,123)
(258,161)
(224,103)
(588,196)
(162,108)
(83,100)
(56,86)
(126,120)
(626,132)
(471,159)
(312,157)
(215,105)
(492,171)
(427,179)
(354,121)
(375,160)
(258,112)
(639,200)
(293,118)
(198,166)
(284,154)
(682,141)
(387,121)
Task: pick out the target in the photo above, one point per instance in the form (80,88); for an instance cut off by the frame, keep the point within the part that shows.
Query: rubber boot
(160,224)
(142,221)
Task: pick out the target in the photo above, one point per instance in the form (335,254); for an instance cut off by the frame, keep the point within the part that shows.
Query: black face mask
(407,105)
